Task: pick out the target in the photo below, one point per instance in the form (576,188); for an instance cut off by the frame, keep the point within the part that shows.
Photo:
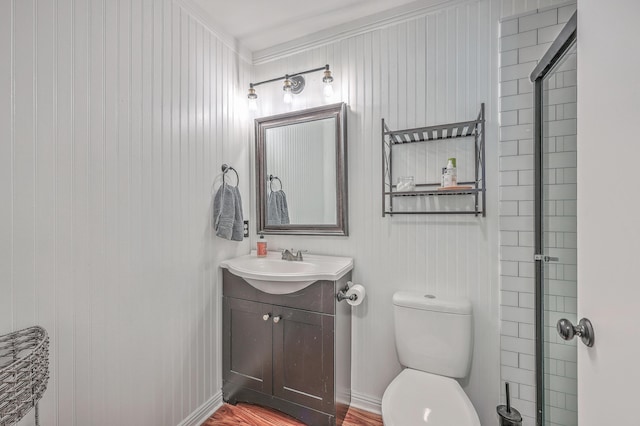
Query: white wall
(114,119)
(524,40)
(435,67)
(608,226)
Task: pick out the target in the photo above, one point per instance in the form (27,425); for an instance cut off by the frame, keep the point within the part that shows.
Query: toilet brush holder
(508,416)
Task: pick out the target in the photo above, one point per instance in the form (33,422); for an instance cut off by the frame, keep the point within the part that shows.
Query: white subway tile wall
(524,40)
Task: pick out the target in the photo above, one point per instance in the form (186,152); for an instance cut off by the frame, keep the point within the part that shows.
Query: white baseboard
(203,412)
(366,402)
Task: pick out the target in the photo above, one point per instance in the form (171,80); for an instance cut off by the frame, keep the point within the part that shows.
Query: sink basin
(273,275)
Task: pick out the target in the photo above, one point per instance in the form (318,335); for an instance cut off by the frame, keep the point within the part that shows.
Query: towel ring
(271,179)
(225,169)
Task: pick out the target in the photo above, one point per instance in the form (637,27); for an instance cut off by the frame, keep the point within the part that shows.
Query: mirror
(301,172)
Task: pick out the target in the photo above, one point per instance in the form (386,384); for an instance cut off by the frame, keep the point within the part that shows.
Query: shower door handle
(584,330)
(545,258)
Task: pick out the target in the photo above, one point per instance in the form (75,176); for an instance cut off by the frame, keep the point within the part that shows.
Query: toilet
(434,344)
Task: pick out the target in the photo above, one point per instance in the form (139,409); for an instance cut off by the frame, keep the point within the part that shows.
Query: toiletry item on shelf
(450,174)
(444,170)
(262,246)
(456,188)
(405,183)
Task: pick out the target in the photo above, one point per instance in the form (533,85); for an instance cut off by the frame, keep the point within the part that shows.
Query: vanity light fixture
(253,98)
(293,85)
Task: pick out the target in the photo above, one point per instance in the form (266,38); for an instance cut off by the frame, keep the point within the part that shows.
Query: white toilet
(434,343)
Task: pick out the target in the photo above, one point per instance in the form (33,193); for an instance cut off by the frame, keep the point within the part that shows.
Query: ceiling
(259,24)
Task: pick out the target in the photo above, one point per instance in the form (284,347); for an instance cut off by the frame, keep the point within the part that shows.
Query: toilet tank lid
(429,302)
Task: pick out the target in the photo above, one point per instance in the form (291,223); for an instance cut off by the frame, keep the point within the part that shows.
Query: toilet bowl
(419,398)
(434,343)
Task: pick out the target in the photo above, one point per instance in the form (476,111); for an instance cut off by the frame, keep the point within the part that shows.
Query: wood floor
(254,415)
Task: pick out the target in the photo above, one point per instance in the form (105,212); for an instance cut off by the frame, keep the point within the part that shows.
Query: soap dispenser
(262,246)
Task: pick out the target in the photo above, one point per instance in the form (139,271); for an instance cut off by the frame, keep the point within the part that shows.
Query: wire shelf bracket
(475,189)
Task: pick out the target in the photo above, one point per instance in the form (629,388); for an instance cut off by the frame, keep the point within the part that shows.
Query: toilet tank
(433,334)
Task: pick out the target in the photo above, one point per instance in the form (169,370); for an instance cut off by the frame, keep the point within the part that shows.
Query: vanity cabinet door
(247,355)
(303,365)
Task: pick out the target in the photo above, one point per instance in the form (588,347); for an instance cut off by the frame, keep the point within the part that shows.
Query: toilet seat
(417,398)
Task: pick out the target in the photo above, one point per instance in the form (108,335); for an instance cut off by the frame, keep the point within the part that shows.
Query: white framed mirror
(302,173)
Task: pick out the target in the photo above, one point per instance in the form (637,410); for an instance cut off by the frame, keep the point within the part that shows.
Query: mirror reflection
(301,164)
(301,172)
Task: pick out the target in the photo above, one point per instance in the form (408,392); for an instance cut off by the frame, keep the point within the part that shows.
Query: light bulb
(253,103)
(288,97)
(328,90)
(327,80)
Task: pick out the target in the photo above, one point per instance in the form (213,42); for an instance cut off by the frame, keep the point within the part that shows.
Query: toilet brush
(508,416)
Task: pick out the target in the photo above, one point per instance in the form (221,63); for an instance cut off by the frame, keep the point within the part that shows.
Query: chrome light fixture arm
(294,83)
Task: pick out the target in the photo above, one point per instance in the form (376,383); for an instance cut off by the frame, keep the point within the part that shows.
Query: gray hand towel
(277,208)
(273,212)
(224,211)
(284,208)
(238,222)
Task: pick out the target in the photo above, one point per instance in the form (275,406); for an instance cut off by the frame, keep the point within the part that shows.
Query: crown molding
(321,38)
(353,28)
(207,21)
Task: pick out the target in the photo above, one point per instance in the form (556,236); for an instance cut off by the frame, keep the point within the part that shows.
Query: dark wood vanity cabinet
(291,352)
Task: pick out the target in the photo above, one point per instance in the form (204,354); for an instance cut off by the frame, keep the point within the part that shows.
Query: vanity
(286,338)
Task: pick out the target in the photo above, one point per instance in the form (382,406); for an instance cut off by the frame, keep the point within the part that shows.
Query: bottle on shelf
(450,174)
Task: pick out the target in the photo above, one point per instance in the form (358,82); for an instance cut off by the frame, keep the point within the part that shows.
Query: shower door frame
(565,40)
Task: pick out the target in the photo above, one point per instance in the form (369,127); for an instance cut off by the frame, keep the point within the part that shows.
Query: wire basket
(24,372)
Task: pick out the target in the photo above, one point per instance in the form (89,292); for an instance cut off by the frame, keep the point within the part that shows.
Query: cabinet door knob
(266,317)
(277,319)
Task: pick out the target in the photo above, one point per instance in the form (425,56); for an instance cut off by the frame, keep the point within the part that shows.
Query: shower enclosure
(555,229)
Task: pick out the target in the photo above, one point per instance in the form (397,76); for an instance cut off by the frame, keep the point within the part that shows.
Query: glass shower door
(558,263)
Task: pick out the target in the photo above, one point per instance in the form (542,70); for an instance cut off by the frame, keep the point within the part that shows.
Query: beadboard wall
(433,68)
(115,117)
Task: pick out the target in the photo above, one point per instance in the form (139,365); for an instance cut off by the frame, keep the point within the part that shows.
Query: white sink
(273,275)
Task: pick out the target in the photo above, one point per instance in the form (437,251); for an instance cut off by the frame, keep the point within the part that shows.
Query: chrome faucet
(288,255)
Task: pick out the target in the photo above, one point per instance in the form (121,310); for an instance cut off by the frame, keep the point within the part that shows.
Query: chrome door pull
(266,316)
(584,330)
(277,319)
